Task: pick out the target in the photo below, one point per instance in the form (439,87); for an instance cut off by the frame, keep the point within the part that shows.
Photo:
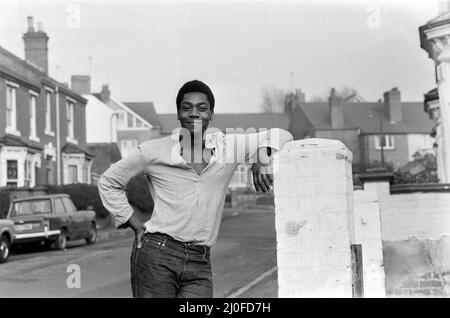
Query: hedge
(139,195)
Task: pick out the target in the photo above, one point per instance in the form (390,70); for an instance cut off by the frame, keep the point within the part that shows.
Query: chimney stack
(393,105)
(81,84)
(105,93)
(336,111)
(36,46)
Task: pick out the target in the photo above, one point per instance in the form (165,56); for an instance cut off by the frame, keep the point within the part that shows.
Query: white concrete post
(368,234)
(314,219)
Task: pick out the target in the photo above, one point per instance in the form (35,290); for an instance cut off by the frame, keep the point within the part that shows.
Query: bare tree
(346,94)
(273,99)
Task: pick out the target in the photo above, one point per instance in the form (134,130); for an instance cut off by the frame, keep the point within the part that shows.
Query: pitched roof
(238,120)
(71,148)
(30,75)
(105,155)
(358,115)
(146,110)
(14,141)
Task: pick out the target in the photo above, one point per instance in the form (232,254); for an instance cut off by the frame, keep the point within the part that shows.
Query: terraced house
(42,121)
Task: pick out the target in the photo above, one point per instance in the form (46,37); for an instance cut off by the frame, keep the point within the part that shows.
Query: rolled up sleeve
(112,186)
(273,138)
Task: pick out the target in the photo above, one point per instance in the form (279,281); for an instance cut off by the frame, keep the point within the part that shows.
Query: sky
(145,50)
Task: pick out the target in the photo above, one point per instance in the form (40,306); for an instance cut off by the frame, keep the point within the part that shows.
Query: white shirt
(187,206)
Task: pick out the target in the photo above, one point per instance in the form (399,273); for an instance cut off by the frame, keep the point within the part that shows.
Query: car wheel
(61,241)
(4,249)
(92,235)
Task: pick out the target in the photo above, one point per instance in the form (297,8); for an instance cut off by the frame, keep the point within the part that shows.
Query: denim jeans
(166,268)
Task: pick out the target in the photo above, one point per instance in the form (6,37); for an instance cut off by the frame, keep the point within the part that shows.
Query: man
(188,174)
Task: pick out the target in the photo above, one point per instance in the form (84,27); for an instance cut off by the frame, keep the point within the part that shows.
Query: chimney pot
(30,24)
(105,93)
(40,27)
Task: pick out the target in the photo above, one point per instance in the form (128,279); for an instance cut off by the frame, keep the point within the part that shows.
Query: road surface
(243,261)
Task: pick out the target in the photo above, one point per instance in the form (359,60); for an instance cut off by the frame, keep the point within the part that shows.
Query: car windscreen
(31,207)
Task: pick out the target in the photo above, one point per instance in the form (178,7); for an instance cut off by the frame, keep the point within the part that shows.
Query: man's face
(195,107)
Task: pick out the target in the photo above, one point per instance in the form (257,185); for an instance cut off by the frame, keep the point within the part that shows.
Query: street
(243,262)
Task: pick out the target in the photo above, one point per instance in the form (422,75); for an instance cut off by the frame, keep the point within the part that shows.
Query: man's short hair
(195,86)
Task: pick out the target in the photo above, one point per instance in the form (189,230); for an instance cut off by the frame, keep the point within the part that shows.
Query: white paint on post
(314,219)
(368,234)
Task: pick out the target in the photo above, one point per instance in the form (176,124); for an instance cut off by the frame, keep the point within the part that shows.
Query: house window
(33,134)
(139,123)
(59,207)
(387,141)
(11,93)
(127,146)
(48,112)
(70,119)
(11,173)
(27,173)
(73,174)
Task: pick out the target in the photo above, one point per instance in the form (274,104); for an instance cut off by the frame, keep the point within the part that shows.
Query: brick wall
(80,124)
(2,106)
(423,215)
(398,156)
(416,242)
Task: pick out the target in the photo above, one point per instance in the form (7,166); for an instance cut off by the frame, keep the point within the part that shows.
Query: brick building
(42,126)
(402,128)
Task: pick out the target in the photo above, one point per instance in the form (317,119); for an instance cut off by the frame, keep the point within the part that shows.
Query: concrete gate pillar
(314,219)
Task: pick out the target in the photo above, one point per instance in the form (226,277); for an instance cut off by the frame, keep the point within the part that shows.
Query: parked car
(6,238)
(52,219)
